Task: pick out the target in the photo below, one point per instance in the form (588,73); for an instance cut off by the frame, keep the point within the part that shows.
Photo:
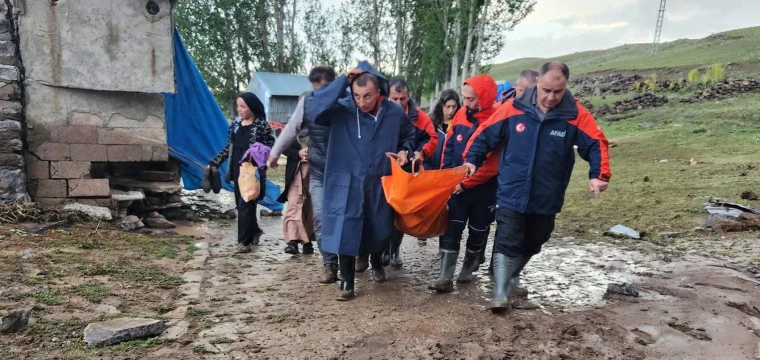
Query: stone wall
(12,127)
(92,80)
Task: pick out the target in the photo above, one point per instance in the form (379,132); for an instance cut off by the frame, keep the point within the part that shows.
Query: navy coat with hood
(355,213)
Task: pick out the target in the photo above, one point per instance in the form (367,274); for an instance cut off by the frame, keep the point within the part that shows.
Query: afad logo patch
(520,127)
(460,138)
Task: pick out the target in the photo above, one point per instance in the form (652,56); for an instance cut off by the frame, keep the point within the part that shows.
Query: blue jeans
(316,188)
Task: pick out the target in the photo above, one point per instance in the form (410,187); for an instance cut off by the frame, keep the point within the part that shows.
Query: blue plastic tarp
(196,127)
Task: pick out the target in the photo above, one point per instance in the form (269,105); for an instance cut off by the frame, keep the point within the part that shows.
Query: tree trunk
(293,38)
(470,33)
(229,60)
(279,10)
(455,55)
(481,34)
(399,35)
(375,32)
(266,56)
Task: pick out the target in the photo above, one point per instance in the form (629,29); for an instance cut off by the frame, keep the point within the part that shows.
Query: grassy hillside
(737,46)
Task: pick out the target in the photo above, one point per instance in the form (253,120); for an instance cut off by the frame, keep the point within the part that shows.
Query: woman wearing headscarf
(248,128)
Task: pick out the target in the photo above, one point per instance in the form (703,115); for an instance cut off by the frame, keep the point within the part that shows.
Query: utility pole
(658,27)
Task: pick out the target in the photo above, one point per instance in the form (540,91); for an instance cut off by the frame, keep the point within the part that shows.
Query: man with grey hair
(526,78)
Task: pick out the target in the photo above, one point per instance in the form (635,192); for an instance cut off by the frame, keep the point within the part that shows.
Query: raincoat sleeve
(427,141)
(487,137)
(406,135)
(592,145)
(289,134)
(219,158)
(325,99)
(447,154)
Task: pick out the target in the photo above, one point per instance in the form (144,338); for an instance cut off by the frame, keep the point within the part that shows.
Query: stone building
(81,86)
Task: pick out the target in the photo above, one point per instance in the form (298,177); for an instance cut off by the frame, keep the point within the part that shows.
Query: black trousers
(472,208)
(521,234)
(248,224)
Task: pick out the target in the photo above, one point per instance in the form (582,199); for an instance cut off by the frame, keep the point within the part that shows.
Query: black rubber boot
(206,182)
(348,272)
(469,265)
(503,268)
(385,257)
(445,282)
(517,288)
(378,270)
(396,261)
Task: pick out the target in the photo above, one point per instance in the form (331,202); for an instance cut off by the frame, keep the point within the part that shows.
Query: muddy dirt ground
(696,302)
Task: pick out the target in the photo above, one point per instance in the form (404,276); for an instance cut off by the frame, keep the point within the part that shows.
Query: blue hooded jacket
(355,212)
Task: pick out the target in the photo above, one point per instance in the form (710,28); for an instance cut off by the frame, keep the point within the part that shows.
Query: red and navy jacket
(426,138)
(538,157)
(464,125)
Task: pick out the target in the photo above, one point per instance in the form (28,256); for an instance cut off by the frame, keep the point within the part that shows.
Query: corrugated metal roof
(280,84)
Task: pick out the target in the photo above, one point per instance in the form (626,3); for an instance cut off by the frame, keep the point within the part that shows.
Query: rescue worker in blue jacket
(364,127)
(472,202)
(538,132)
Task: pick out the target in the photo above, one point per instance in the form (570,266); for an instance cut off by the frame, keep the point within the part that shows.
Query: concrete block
(11,146)
(89,188)
(78,135)
(69,169)
(37,169)
(125,153)
(52,151)
(9,73)
(98,212)
(160,153)
(132,136)
(120,121)
(89,152)
(104,202)
(47,188)
(85,119)
(147,152)
(11,160)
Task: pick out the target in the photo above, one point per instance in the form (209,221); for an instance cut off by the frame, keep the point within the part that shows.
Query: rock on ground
(119,330)
(158,223)
(102,213)
(14,321)
(130,222)
(622,289)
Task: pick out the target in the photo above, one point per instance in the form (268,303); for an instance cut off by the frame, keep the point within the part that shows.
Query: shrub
(694,76)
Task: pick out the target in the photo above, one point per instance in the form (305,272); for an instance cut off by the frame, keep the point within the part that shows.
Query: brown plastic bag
(248,181)
(420,200)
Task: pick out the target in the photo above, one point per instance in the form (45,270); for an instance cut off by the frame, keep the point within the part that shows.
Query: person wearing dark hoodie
(538,132)
(248,128)
(472,201)
(364,128)
(426,142)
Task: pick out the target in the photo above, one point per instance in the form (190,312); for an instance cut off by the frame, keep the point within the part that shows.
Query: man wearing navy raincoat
(364,127)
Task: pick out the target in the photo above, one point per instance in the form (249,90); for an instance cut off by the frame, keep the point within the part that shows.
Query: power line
(658,27)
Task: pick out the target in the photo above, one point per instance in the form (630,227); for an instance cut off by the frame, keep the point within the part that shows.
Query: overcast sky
(559,27)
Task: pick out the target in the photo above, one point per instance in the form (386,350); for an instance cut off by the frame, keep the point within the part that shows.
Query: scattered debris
(15,212)
(646,178)
(623,231)
(129,223)
(749,195)
(726,216)
(637,102)
(745,222)
(119,330)
(693,162)
(155,220)
(97,212)
(39,229)
(231,214)
(14,321)
(669,235)
(622,289)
